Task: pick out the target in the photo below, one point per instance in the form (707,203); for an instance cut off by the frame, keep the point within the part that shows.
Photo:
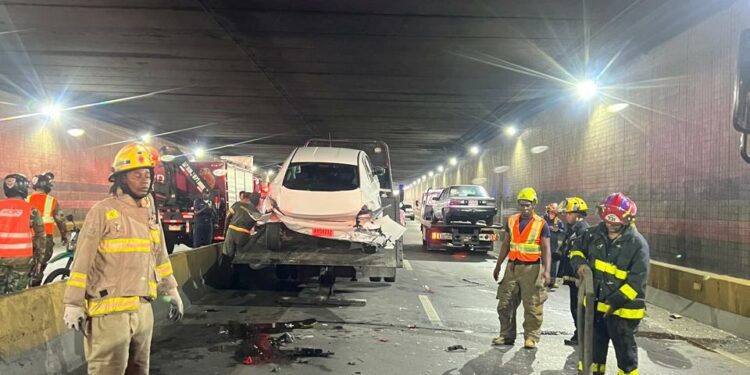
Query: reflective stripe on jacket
(45,204)
(16,239)
(620,269)
(525,246)
(120,258)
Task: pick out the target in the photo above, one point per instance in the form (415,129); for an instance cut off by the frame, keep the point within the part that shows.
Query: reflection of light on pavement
(460,256)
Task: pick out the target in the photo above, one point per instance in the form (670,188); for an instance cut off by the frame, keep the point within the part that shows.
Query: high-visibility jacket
(16,238)
(120,258)
(620,269)
(525,246)
(45,204)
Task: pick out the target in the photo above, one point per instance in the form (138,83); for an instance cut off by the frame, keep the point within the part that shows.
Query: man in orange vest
(527,247)
(120,265)
(51,216)
(21,235)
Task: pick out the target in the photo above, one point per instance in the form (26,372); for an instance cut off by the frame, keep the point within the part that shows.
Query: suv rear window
(467,191)
(321,177)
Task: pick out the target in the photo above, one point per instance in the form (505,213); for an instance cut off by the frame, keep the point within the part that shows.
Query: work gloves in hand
(176,309)
(74,318)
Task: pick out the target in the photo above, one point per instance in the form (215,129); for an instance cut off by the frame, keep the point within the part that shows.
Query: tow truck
(458,236)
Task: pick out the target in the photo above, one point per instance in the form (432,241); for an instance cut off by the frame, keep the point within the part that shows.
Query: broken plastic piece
(675,316)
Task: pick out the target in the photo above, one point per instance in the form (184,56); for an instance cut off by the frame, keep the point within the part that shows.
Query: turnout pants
(120,343)
(14,274)
(574,307)
(622,333)
(521,283)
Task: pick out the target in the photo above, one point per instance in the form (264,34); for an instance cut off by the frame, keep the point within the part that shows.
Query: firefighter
(120,265)
(203,224)
(21,235)
(618,256)
(572,210)
(52,217)
(241,219)
(557,230)
(527,246)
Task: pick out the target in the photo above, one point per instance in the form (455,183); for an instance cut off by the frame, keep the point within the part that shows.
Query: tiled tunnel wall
(673,150)
(81,165)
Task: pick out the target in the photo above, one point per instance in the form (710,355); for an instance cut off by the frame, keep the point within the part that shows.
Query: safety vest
(45,204)
(526,246)
(15,230)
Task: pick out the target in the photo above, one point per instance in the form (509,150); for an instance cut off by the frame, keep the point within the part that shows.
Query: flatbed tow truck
(458,236)
(303,258)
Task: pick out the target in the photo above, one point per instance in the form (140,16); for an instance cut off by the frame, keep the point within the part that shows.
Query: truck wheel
(170,239)
(390,279)
(273,236)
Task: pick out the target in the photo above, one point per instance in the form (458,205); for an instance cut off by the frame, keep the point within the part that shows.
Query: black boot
(573,341)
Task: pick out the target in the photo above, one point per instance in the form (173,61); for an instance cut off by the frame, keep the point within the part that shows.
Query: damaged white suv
(333,193)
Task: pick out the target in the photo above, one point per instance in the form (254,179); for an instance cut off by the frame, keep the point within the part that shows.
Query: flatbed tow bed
(458,236)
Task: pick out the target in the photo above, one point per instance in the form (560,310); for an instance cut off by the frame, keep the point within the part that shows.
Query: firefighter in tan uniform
(528,272)
(120,264)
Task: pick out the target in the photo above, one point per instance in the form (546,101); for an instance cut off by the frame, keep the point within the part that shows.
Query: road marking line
(731,356)
(407,265)
(430,310)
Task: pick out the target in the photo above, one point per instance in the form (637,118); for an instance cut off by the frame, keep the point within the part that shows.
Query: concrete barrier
(34,339)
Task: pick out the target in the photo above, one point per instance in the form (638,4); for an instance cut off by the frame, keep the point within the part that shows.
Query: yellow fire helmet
(133,156)
(573,204)
(527,194)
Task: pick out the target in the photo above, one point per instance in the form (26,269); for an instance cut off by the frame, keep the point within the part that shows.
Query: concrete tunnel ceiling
(400,71)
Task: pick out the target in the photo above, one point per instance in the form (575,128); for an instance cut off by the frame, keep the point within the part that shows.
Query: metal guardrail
(586,320)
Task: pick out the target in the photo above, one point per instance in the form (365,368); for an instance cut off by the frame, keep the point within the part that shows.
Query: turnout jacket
(572,233)
(620,268)
(120,258)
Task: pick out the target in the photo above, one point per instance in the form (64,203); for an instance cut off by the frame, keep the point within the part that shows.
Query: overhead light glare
(510,131)
(76,132)
(474,150)
(617,107)
(453,161)
(539,149)
(199,152)
(440,168)
(587,89)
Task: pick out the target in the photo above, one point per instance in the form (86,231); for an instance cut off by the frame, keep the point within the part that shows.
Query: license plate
(175,228)
(322,232)
(473,203)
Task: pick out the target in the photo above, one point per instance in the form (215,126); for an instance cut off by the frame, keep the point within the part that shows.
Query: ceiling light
(539,149)
(270,172)
(501,169)
(199,152)
(76,132)
(440,168)
(146,138)
(510,131)
(586,89)
(474,150)
(51,110)
(617,107)
(424,178)
(430,173)
(253,168)
(453,161)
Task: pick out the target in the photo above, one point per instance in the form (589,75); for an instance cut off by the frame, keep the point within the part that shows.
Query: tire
(375,279)
(273,236)
(390,279)
(62,273)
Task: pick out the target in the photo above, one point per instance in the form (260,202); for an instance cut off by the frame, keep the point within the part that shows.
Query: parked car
(469,203)
(408,211)
(427,200)
(332,193)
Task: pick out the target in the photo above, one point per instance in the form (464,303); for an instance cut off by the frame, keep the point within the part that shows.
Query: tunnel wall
(673,150)
(81,165)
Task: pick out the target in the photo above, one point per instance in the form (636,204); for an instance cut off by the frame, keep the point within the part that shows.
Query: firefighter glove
(74,317)
(176,309)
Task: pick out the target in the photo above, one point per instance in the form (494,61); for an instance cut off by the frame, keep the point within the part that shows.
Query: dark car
(469,203)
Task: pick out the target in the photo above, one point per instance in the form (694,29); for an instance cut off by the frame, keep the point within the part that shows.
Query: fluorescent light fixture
(146,138)
(539,149)
(270,172)
(501,169)
(440,168)
(453,161)
(430,173)
(586,89)
(76,132)
(199,152)
(617,107)
(510,131)
(474,150)
(51,110)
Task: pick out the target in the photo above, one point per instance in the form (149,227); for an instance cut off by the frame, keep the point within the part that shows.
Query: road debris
(456,348)
(248,360)
(223,330)
(675,316)
(352,363)
(306,352)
